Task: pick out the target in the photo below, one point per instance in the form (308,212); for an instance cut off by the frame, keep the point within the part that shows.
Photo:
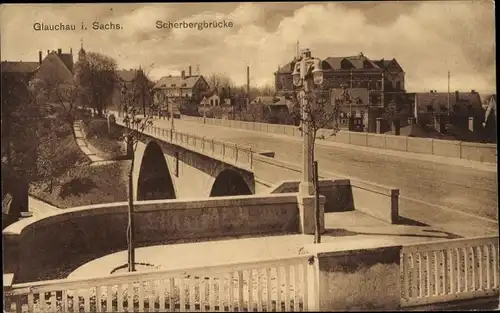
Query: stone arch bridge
(166,171)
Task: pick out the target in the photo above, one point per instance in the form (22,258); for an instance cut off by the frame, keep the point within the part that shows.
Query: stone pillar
(471,124)
(130,147)
(306,213)
(437,123)
(368,273)
(379,125)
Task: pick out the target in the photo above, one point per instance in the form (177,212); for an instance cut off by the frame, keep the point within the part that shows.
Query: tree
(253,112)
(142,85)
(134,126)
(101,80)
(218,81)
(22,102)
(316,114)
(66,94)
(393,113)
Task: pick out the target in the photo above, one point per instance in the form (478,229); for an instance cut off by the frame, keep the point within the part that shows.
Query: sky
(427,38)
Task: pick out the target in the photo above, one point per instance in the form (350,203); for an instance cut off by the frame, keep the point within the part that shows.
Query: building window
(212,102)
(172,85)
(398,85)
(429,108)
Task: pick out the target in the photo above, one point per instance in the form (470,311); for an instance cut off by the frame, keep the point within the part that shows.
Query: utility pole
(350,92)
(448,96)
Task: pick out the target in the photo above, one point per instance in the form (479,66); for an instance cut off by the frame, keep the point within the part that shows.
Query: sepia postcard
(249,156)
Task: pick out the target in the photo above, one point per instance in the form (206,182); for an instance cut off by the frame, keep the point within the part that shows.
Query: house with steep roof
(185,91)
(183,86)
(55,67)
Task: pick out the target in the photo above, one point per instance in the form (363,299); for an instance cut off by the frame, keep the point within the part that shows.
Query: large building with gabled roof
(380,77)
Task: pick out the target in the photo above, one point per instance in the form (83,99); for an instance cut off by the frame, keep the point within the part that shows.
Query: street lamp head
(296,75)
(317,72)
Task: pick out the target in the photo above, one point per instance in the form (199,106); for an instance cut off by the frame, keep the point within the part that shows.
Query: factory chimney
(248,80)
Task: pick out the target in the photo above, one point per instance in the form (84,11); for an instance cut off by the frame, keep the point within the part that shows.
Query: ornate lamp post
(123,106)
(307,73)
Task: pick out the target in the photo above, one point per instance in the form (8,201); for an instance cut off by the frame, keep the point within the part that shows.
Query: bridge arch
(154,179)
(230,182)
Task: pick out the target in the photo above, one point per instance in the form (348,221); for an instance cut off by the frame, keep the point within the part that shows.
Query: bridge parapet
(237,155)
(34,248)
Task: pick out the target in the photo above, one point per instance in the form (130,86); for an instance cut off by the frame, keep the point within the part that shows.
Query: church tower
(81,76)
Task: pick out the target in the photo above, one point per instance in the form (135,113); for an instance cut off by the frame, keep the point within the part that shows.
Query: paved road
(425,187)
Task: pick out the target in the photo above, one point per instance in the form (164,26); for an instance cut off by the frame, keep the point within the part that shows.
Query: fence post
(203,143)
(213,147)
(251,157)
(223,150)
(236,152)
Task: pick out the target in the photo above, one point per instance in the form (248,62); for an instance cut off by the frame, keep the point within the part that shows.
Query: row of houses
(372,86)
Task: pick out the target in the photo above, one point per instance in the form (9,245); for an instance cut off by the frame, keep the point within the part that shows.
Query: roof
(67,59)
(19,67)
(177,82)
(437,99)
(344,63)
(288,68)
(351,62)
(126,75)
(383,63)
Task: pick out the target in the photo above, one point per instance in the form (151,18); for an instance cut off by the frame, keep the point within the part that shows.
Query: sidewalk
(90,151)
(490,167)
(346,229)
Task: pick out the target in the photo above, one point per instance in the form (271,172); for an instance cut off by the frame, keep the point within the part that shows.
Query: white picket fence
(270,286)
(452,270)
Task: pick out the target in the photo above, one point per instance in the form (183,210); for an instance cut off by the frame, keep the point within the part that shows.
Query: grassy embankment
(109,143)
(75,181)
